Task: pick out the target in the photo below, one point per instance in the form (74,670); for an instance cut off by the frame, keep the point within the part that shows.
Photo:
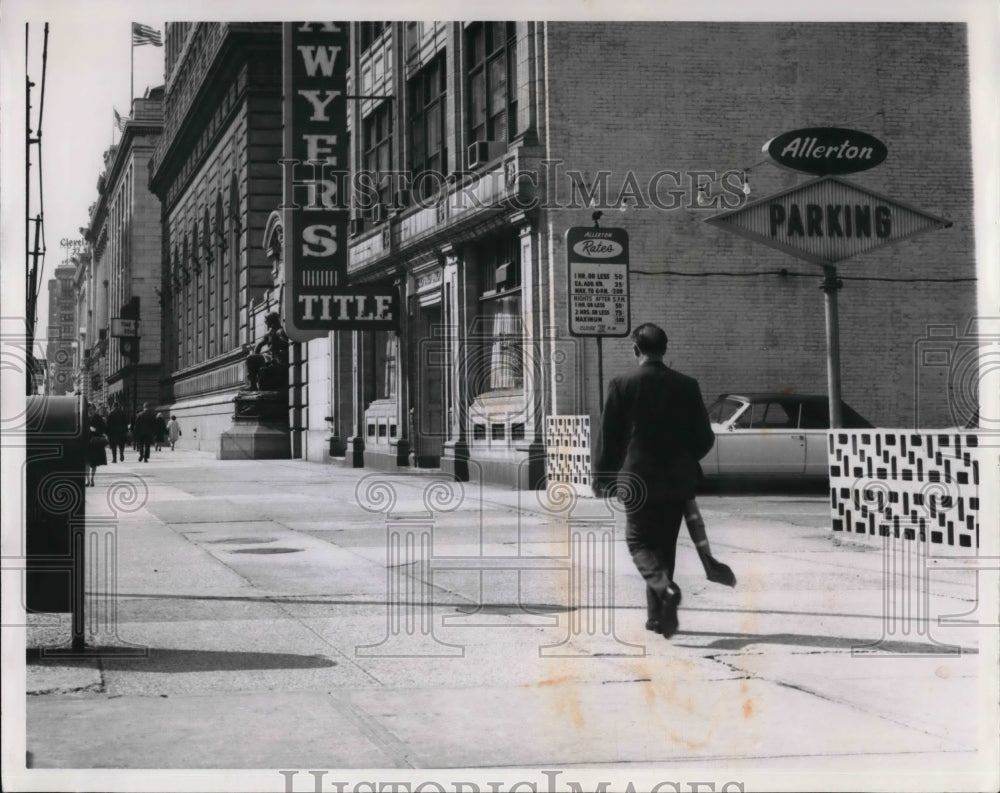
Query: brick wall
(695,96)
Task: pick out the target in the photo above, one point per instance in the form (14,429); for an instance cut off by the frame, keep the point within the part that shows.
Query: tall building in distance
(480,145)
(125,276)
(60,351)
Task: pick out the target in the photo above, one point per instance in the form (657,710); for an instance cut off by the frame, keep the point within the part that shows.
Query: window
(724,409)
(777,417)
(385,352)
(369,32)
(377,137)
(500,310)
(428,145)
(491,87)
(766,415)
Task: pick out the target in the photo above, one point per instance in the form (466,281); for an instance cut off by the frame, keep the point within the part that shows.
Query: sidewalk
(264,592)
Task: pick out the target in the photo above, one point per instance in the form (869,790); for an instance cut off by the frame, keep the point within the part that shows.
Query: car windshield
(724,409)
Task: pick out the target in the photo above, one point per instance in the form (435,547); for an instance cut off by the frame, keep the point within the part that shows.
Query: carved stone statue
(269,371)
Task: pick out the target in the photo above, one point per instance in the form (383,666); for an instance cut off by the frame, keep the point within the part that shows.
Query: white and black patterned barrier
(907,485)
(567,451)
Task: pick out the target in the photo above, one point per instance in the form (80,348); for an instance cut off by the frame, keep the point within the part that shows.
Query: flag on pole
(143,34)
(119,121)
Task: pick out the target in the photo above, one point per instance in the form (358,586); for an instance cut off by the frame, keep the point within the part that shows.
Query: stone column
(455,451)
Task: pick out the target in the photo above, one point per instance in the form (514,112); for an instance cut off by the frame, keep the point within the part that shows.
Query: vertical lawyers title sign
(315,198)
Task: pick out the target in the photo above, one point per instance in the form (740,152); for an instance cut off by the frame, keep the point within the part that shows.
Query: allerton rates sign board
(597,260)
(827,220)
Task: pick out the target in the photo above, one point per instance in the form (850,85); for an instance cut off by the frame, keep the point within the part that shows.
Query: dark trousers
(144,449)
(651,531)
(117,445)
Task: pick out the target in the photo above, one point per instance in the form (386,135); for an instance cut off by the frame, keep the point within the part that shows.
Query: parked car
(773,435)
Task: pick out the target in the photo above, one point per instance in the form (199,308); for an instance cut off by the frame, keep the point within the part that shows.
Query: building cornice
(213,74)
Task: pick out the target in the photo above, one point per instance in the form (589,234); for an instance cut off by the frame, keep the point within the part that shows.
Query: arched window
(176,284)
(208,263)
(234,259)
(196,293)
(219,243)
(187,326)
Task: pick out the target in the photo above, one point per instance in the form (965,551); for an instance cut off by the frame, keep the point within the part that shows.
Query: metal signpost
(598,280)
(828,219)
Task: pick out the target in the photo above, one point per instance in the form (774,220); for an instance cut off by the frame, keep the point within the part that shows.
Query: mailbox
(54,504)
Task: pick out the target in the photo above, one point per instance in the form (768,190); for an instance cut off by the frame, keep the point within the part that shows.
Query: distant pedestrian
(159,431)
(97,441)
(144,429)
(653,432)
(173,431)
(117,432)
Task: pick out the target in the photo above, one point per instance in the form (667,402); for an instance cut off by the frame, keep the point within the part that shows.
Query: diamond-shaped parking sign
(827,220)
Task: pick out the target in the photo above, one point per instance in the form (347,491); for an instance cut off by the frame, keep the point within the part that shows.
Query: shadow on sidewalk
(167,661)
(740,641)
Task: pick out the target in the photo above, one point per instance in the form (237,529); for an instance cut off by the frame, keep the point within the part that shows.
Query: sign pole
(831,285)
(600,373)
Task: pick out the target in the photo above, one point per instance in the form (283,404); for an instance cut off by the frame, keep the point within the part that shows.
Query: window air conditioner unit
(483,151)
(504,275)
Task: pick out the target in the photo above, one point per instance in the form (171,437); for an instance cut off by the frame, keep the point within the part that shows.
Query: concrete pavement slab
(922,686)
(61,676)
(250,655)
(559,720)
(269,730)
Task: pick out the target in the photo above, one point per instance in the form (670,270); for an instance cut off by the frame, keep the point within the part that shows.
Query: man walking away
(117,432)
(654,431)
(143,429)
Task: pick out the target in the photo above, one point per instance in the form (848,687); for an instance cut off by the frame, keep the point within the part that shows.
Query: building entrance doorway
(429,376)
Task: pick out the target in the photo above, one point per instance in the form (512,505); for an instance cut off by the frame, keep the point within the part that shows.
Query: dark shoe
(668,611)
(718,572)
(653,625)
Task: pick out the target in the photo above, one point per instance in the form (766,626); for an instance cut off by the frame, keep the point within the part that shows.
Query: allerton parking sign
(597,260)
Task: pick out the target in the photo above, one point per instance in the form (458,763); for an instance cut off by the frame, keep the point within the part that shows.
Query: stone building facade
(217,176)
(124,274)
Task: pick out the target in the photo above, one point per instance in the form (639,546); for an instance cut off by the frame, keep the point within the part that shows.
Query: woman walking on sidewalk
(97,442)
(173,431)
